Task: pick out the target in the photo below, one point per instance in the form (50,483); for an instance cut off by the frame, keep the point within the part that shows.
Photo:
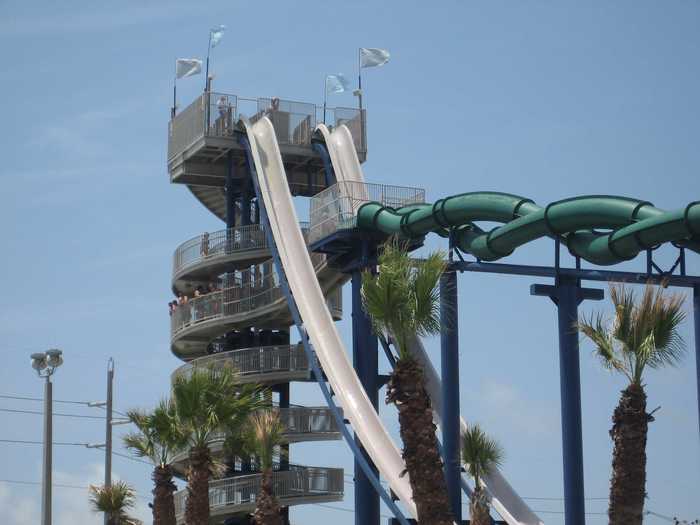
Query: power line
(39,413)
(84,403)
(26,442)
(19,482)
(26,398)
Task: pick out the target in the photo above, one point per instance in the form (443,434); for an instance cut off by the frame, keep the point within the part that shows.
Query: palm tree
(114,501)
(265,433)
(158,439)
(481,454)
(206,401)
(643,335)
(402,300)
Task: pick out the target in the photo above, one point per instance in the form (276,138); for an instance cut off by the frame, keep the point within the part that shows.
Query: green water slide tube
(601,229)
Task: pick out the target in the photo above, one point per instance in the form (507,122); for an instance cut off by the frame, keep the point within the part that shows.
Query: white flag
(216,35)
(186,67)
(373,56)
(336,83)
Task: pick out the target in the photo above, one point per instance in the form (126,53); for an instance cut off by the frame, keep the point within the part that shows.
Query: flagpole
(206,77)
(359,89)
(325,96)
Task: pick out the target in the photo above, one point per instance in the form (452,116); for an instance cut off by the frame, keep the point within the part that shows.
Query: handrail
(253,290)
(297,422)
(249,361)
(210,246)
(296,483)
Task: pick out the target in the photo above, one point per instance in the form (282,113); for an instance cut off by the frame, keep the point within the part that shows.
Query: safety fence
(311,483)
(214,114)
(335,208)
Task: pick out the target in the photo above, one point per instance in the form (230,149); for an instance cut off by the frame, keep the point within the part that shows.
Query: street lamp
(45,365)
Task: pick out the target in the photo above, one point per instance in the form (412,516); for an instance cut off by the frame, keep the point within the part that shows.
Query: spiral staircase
(242,320)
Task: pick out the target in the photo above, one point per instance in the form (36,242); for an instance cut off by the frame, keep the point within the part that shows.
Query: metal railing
(216,114)
(297,422)
(251,361)
(211,246)
(296,483)
(187,127)
(244,291)
(335,208)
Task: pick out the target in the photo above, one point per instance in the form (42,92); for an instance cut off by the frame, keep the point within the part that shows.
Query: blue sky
(544,99)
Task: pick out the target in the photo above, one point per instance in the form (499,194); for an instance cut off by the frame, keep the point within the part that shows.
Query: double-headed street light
(45,364)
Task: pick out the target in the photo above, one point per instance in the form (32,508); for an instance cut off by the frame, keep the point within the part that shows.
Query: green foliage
(481,453)
(158,437)
(114,500)
(643,334)
(402,299)
(265,431)
(210,399)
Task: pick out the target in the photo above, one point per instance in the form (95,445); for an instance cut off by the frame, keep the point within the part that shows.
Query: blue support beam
(567,294)
(365,359)
(449,352)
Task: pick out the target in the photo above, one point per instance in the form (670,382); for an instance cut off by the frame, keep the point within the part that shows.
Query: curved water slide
(630,225)
(319,325)
(504,499)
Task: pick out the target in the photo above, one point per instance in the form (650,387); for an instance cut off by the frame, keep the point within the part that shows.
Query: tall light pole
(45,365)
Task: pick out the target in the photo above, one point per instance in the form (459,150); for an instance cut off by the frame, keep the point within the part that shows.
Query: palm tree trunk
(479,508)
(197,505)
(267,509)
(406,390)
(163,501)
(629,435)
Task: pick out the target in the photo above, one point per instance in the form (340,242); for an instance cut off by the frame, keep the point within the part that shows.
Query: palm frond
(266,431)
(210,399)
(114,500)
(481,453)
(402,298)
(646,331)
(595,329)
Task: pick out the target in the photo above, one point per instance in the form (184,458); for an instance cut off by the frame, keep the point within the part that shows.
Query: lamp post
(45,365)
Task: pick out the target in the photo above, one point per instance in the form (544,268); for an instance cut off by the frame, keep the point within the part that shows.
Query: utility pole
(108,428)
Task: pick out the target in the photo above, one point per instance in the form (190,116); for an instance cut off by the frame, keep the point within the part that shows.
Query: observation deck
(253,298)
(301,424)
(333,214)
(205,133)
(263,364)
(297,486)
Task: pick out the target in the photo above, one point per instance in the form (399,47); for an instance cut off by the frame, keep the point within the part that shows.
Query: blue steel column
(696,321)
(570,388)
(365,359)
(567,294)
(449,360)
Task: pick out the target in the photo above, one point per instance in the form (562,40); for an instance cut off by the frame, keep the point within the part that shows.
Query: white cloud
(70,505)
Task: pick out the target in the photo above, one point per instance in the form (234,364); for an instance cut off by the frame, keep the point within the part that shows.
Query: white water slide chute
(310,311)
(311,315)
(503,497)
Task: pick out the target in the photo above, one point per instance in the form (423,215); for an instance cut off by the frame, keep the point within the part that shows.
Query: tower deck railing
(300,424)
(214,114)
(210,247)
(297,485)
(251,361)
(335,208)
(245,292)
